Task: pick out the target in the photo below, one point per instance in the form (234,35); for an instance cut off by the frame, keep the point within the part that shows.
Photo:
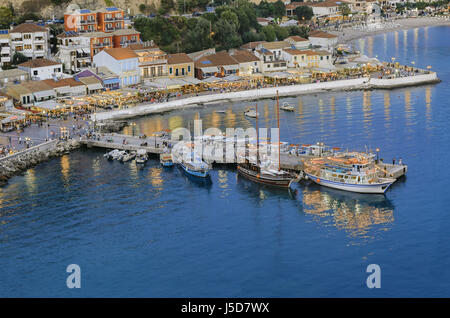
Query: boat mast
(278,121)
(257,136)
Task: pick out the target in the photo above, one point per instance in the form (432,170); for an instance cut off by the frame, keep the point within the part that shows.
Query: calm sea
(155,232)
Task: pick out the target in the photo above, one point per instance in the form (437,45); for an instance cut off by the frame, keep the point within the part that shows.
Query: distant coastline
(350,34)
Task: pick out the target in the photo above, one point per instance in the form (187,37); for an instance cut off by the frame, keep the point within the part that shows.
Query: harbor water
(155,232)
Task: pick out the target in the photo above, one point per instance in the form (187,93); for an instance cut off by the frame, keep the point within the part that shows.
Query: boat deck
(395,171)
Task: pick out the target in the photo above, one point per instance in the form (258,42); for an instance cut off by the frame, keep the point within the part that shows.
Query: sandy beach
(350,34)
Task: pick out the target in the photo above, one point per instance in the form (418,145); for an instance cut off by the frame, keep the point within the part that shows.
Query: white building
(31,40)
(122,61)
(42,69)
(324,40)
(5,48)
(74,52)
(248,62)
(297,42)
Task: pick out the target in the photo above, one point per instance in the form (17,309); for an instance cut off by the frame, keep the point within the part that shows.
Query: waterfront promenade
(270,92)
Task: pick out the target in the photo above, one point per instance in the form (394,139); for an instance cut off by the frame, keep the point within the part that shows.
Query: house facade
(41,69)
(122,61)
(31,40)
(180,65)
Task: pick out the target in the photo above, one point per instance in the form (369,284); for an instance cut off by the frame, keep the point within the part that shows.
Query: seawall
(291,90)
(12,165)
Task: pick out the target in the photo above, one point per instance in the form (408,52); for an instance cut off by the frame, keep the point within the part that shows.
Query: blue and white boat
(166,160)
(354,172)
(196,168)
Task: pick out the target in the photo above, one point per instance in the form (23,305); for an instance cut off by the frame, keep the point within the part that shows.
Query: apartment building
(152,60)
(5,48)
(74,51)
(31,40)
(41,69)
(105,20)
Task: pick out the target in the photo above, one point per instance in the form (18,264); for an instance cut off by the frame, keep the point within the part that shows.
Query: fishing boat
(354,172)
(263,171)
(166,159)
(287,107)
(195,168)
(128,156)
(251,113)
(141,156)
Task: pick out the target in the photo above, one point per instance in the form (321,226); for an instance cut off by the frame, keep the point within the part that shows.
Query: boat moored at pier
(354,172)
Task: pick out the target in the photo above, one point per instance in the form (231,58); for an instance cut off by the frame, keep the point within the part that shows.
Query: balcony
(5,59)
(97,45)
(5,50)
(109,19)
(17,40)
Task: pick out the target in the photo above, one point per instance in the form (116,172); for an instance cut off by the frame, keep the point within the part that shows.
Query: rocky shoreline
(13,165)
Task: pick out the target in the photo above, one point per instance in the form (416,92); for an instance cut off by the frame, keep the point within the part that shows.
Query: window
(27,46)
(35,73)
(27,36)
(189,68)
(321,58)
(170,70)
(182,71)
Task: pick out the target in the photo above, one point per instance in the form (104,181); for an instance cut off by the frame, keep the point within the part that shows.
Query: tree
(226,34)
(345,9)
(304,12)
(278,9)
(18,58)
(6,17)
(269,33)
(142,8)
(302,31)
(198,38)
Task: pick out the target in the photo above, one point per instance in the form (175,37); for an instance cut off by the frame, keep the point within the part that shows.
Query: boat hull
(284,183)
(167,164)
(379,188)
(199,174)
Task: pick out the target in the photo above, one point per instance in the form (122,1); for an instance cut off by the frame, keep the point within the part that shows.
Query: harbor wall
(404,81)
(269,92)
(13,164)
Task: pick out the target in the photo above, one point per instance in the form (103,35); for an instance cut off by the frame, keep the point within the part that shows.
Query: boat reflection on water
(200,182)
(263,191)
(355,213)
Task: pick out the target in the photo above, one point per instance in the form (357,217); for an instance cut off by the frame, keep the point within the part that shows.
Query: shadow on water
(355,213)
(196,181)
(256,189)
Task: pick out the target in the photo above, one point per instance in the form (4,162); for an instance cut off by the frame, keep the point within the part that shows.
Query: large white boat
(251,113)
(354,172)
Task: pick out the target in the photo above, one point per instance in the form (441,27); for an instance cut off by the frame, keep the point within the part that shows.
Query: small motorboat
(287,107)
(221,111)
(251,113)
(128,156)
(141,156)
(166,160)
(196,167)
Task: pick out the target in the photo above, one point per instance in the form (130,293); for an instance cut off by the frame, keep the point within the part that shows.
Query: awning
(232,78)
(44,94)
(191,80)
(212,79)
(80,51)
(63,90)
(94,86)
(12,118)
(210,69)
(48,105)
(231,67)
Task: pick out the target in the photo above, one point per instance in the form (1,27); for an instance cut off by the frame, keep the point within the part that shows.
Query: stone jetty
(16,163)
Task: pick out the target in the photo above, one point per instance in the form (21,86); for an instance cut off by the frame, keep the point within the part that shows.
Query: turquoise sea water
(157,233)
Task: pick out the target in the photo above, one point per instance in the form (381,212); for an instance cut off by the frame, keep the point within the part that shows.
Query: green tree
(304,12)
(278,9)
(226,34)
(345,9)
(269,33)
(142,8)
(6,17)
(166,6)
(18,58)
(198,38)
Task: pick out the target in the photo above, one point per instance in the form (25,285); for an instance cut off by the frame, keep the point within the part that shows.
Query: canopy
(232,78)
(280,75)
(212,79)
(231,67)
(12,118)
(44,94)
(48,105)
(210,69)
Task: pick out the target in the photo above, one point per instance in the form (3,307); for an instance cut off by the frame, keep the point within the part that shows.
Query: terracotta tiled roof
(28,28)
(309,52)
(178,58)
(37,86)
(38,63)
(218,59)
(121,53)
(245,57)
(276,45)
(321,34)
(296,38)
(62,82)
(251,45)
(294,51)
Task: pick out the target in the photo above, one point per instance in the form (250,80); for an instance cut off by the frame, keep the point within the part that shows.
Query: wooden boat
(263,173)
(166,160)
